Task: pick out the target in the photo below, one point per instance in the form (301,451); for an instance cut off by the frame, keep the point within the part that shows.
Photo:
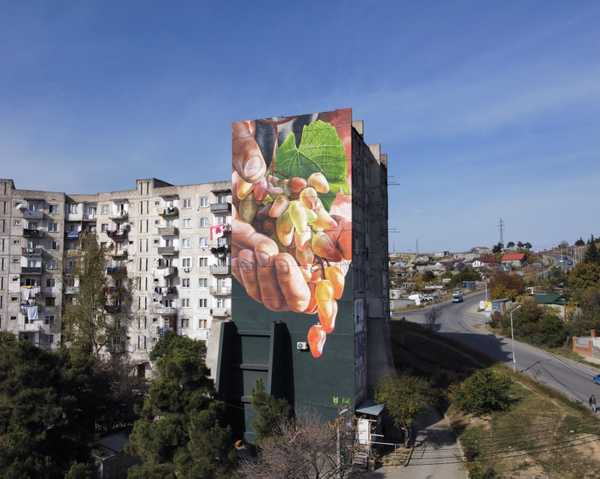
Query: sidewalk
(437,454)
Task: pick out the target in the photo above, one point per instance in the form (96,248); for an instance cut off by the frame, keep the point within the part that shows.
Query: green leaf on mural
(321,150)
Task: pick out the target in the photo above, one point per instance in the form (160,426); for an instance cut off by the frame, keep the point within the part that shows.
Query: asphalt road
(461,322)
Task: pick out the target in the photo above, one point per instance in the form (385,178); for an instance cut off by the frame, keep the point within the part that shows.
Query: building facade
(168,244)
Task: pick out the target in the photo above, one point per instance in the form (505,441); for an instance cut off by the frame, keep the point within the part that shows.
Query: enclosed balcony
(223,208)
(71,290)
(220,290)
(168,231)
(116,269)
(33,232)
(163,271)
(119,215)
(73,234)
(32,214)
(168,250)
(220,313)
(32,251)
(169,212)
(165,310)
(31,269)
(220,269)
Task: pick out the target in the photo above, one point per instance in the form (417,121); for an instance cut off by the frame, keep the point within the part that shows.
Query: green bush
(484,392)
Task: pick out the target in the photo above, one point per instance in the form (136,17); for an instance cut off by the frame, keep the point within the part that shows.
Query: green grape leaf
(321,150)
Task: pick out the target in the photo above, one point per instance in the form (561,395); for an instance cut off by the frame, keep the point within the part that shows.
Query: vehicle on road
(458,297)
(596,379)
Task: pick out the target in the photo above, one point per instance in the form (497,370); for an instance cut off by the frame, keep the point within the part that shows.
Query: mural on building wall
(292,215)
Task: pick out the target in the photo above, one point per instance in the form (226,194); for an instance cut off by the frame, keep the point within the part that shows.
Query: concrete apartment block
(168,244)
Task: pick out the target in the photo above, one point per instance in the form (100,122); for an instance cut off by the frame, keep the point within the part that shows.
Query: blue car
(596,379)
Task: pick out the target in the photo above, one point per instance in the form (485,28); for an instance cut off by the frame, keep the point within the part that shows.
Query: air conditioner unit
(302,346)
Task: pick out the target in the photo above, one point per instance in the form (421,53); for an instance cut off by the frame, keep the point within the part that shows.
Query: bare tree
(303,448)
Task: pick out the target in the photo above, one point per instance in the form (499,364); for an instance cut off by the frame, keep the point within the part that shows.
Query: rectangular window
(203,202)
(203,262)
(185,283)
(203,242)
(50,283)
(203,303)
(52,227)
(186,262)
(187,223)
(52,209)
(72,207)
(104,209)
(203,282)
(187,203)
(204,222)
(185,302)
(50,301)
(186,243)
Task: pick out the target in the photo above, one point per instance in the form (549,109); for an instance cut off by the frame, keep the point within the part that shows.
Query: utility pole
(417,247)
(512,335)
(501,228)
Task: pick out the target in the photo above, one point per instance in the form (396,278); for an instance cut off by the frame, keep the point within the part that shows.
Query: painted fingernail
(262,258)
(253,166)
(282,266)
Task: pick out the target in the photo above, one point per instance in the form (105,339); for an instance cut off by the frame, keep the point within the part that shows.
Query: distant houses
(513,259)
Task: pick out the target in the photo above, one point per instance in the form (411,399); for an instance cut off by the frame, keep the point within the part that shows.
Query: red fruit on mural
(327,311)
(316,340)
(297,184)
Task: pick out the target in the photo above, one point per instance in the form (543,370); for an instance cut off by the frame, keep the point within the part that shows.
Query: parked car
(596,379)
(457,297)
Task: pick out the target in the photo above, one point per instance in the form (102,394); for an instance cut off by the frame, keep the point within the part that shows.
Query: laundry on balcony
(32,313)
(29,293)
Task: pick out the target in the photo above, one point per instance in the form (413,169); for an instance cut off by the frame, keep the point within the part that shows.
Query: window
(50,301)
(220,303)
(203,303)
(104,227)
(203,262)
(186,243)
(204,202)
(17,223)
(202,323)
(187,223)
(186,262)
(204,222)
(185,302)
(203,242)
(52,227)
(203,282)
(54,244)
(51,264)
(185,283)
(49,319)
(50,283)
(52,209)
(185,323)
(187,203)
(72,207)
(104,209)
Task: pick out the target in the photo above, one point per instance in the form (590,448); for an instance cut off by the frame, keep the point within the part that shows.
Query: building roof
(550,298)
(489,259)
(513,257)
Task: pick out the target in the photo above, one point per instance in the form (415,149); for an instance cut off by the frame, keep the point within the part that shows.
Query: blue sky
(486,111)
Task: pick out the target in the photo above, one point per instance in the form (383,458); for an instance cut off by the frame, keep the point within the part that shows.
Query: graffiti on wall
(292,215)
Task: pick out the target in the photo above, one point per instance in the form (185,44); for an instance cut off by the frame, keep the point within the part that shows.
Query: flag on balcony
(216,231)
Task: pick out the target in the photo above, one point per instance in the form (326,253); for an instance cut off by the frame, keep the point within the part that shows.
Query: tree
(580,242)
(520,244)
(527,245)
(181,431)
(48,407)
(482,393)
(467,274)
(269,412)
(511,244)
(588,316)
(303,448)
(581,278)
(498,248)
(404,397)
(592,255)
(506,285)
(89,328)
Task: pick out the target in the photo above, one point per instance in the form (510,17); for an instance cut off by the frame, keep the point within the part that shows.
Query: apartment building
(166,244)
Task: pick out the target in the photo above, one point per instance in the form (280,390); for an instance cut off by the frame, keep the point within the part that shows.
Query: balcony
(167,250)
(220,208)
(32,252)
(120,215)
(119,255)
(73,253)
(166,271)
(31,270)
(71,289)
(165,310)
(118,234)
(73,235)
(112,308)
(220,290)
(30,214)
(168,231)
(117,269)
(169,212)
(220,313)
(74,216)
(220,269)
(33,233)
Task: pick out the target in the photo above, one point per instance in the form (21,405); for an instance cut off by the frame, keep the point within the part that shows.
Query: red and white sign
(217,231)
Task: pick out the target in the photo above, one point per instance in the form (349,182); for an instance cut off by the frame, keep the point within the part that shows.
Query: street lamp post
(512,335)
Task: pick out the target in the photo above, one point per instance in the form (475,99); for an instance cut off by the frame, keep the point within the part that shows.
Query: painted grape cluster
(291,212)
